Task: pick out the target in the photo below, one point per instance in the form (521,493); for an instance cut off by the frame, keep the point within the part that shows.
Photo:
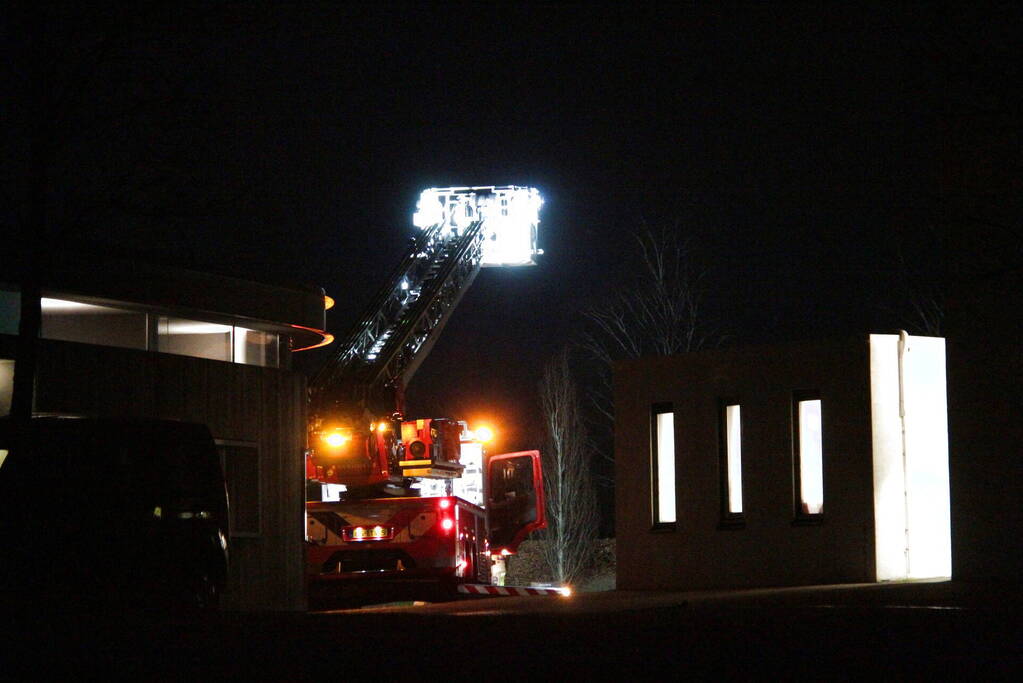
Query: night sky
(800,148)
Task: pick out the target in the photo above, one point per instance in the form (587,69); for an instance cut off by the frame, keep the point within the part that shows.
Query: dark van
(96,511)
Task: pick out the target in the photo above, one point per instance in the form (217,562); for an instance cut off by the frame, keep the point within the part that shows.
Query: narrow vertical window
(663,465)
(731,463)
(809,455)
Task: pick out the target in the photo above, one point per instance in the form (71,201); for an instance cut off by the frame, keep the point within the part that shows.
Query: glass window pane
(255,347)
(664,462)
(193,338)
(10,312)
(91,324)
(811,458)
(733,445)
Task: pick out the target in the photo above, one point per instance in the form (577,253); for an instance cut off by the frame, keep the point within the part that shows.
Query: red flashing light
(444,503)
(447,524)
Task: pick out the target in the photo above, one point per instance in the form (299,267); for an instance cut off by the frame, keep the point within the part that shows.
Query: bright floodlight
(511,216)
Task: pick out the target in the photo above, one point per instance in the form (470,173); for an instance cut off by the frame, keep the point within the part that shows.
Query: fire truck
(400,517)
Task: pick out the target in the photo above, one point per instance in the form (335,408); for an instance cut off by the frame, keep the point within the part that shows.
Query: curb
(484,589)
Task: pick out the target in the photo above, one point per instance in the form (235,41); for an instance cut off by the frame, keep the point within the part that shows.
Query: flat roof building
(124,339)
(798,464)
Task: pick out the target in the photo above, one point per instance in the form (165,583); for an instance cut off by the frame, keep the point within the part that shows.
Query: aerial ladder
(385,528)
(358,434)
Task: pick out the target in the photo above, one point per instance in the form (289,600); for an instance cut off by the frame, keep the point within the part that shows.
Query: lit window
(91,324)
(731,462)
(663,465)
(217,342)
(809,452)
(102,325)
(193,338)
(255,347)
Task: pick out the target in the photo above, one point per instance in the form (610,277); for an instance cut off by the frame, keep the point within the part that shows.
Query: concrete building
(121,338)
(800,464)
(985,402)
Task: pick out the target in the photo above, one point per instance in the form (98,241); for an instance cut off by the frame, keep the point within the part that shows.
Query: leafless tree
(568,480)
(927,309)
(657,311)
(921,278)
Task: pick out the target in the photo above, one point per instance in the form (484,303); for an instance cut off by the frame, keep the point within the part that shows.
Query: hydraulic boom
(357,398)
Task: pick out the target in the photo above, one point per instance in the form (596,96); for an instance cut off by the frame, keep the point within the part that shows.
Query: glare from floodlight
(510,213)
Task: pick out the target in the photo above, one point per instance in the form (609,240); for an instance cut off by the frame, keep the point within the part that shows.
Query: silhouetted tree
(573,521)
(924,277)
(654,312)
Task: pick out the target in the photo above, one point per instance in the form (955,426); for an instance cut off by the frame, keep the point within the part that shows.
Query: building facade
(130,340)
(790,465)
(985,323)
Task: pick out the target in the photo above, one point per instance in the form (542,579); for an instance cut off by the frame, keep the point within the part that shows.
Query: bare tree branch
(923,280)
(655,312)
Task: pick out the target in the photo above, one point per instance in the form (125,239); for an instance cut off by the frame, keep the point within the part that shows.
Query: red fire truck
(443,539)
(381,527)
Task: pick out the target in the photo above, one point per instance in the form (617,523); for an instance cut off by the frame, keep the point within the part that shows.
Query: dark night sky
(290,143)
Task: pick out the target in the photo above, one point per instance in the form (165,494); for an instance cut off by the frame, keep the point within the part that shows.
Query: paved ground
(903,594)
(935,630)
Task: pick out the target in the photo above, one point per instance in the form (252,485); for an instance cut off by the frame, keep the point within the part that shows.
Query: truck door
(515,500)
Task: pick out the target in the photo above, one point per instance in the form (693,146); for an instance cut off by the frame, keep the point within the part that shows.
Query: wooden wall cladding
(264,406)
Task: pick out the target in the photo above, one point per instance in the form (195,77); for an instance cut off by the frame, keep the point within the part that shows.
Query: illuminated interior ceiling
(510,213)
(59,306)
